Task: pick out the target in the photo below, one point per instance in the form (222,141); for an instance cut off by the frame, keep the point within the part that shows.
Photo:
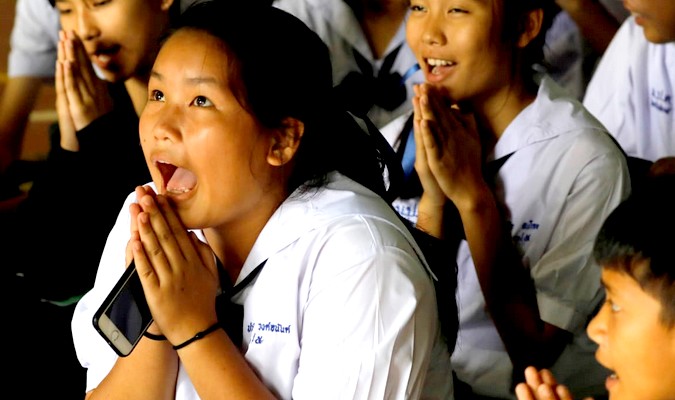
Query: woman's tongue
(181,181)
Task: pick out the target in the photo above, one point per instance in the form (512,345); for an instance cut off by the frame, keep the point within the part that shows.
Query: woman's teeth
(178,190)
(436,61)
(436,65)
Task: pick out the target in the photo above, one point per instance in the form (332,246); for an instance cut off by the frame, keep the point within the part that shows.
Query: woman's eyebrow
(156,75)
(197,80)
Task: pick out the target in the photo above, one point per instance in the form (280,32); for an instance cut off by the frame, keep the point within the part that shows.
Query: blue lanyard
(410,72)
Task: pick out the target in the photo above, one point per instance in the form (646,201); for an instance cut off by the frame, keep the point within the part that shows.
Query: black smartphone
(124,315)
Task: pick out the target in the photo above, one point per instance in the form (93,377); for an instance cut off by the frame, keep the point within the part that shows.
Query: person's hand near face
(452,149)
(448,159)
(81,96)
(177,270)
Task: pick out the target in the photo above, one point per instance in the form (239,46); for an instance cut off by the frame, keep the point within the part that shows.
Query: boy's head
(657,18)
(638,239)
(120,37)
(635,329)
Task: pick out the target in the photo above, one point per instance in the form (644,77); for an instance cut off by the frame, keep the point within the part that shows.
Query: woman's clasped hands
(177,270)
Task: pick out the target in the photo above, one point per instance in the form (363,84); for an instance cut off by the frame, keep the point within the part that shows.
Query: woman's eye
(101,2)
(416,8)
(156,95)
(201,101)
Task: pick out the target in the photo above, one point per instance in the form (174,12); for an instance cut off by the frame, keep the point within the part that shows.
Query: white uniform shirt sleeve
(608,94)
(610,76)
(34,39)
(91,349)
(631,93)
(347,356)
(567,278)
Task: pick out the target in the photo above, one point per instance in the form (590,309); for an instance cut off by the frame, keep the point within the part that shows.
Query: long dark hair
(282,69)
(514,24)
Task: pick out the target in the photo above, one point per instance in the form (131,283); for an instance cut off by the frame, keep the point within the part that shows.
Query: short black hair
(638,239)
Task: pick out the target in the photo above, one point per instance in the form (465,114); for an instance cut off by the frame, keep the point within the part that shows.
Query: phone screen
(124,316)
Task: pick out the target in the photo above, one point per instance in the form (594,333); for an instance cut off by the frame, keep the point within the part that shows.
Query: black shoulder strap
(246,281)
(230,314)
(391,161)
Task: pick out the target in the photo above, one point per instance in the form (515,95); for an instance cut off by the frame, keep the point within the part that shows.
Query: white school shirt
(631,93)
(34,39)
(571,57)
(564,177)
(335,23)
(343,308)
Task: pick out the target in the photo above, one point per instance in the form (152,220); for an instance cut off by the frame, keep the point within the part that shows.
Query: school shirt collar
(529,127)
(302,212)
(340,17)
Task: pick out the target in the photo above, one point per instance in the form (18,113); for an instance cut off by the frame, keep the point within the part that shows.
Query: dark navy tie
(360,90)
(231,314)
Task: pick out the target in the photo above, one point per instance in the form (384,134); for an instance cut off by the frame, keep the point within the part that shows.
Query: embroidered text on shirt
(660,100)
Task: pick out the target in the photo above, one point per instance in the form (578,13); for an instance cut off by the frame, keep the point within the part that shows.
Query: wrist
(151,333)
(475,201)
(70,143)
(154,336)
(199,335)
(429,204)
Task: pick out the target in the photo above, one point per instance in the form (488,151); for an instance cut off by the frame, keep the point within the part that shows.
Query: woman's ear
(532,27)
(285,141)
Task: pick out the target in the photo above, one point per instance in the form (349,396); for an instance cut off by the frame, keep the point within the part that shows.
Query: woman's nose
(167,126)
(87,28)
(433,35)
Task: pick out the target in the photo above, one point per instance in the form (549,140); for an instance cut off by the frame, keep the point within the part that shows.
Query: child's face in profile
(657,18)
(457,45)
(120,36)
(203,149)
(633,342)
